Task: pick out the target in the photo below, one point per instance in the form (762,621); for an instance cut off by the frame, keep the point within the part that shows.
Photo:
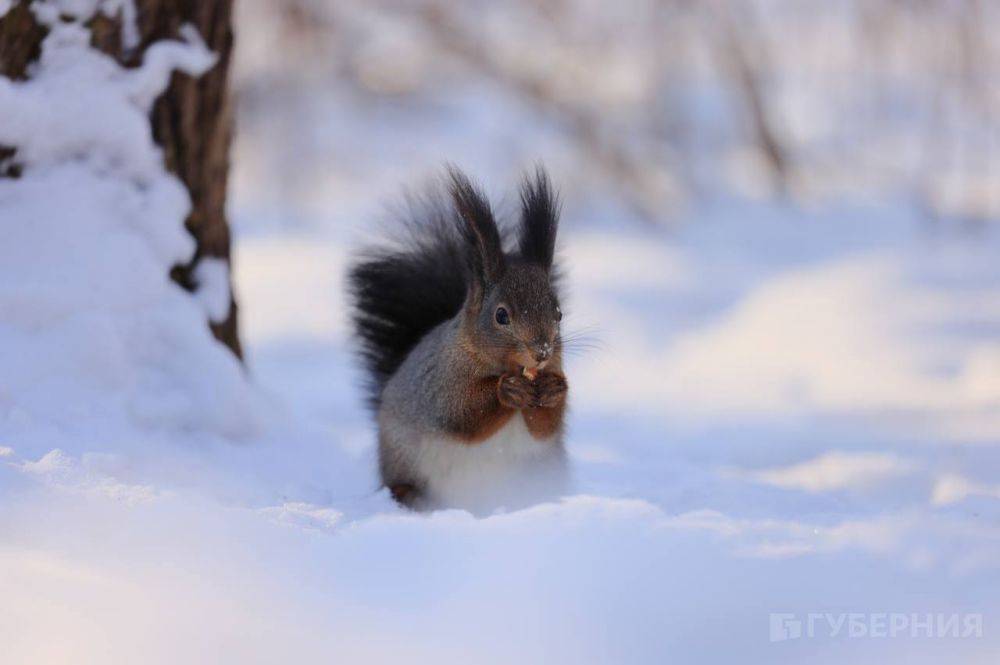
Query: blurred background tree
(661,104)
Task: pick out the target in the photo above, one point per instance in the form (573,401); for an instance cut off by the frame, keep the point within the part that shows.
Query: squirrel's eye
(502,316)
(558,314)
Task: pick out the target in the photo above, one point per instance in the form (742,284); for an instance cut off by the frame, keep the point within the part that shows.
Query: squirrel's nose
(543,352)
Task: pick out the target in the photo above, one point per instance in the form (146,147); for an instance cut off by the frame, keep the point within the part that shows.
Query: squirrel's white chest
(509,468)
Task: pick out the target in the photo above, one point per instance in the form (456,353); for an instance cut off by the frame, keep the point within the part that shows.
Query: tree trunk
(743,57)
(191,121)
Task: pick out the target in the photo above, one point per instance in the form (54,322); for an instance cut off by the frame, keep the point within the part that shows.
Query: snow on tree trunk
(191,120)
(93,332)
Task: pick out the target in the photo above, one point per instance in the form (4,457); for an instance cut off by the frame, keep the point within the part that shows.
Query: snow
(835,471)
(211,277)
(955,488)
(776,410)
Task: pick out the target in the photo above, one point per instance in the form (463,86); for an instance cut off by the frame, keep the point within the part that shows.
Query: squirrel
(461,340)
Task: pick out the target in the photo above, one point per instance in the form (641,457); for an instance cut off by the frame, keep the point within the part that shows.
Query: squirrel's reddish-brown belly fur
(483,423)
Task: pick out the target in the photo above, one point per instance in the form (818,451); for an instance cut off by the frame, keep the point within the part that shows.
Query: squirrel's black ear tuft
(477,227)
(539,219)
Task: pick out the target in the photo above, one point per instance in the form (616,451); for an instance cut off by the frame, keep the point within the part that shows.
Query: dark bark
(191,121)
(20,40)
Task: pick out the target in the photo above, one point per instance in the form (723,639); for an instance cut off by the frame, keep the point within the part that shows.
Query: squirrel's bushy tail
(403,291)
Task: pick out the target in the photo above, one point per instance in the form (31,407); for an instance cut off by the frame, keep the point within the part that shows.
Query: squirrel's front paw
(515,391)
(550,390)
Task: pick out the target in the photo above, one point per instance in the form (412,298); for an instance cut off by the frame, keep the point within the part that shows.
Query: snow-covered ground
(778,410)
